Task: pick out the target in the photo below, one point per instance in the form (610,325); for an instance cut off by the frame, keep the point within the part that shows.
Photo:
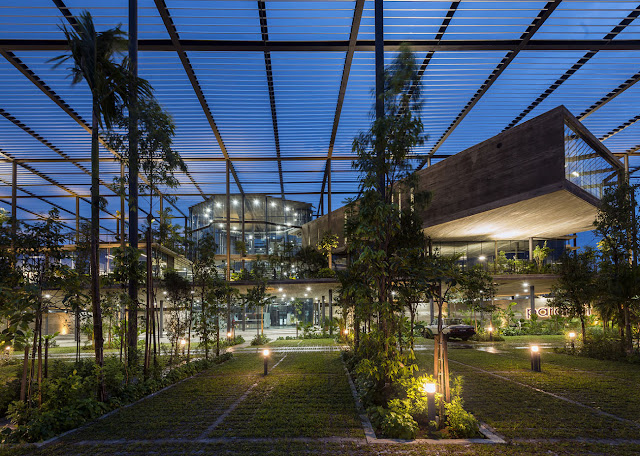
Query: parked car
(453,327)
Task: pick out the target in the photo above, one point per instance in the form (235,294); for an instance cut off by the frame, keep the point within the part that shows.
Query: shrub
(68,402)
(395,422)
(460,423)
(260,339)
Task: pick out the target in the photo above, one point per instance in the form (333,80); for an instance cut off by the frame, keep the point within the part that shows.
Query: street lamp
(535,359)
(572,337)
(265,354)
(430,389)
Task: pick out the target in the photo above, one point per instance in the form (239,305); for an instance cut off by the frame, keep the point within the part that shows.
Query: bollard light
(490,329)
(535,359)
(265,354)
(229,335)
(572,336)
(430,389)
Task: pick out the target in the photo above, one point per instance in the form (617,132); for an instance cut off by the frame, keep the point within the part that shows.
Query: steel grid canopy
(279,89)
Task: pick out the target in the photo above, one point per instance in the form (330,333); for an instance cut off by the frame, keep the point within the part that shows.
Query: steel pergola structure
(274,91)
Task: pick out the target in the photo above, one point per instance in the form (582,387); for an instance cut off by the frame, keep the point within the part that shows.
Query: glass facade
(584,166)
(512,256)
(264,223)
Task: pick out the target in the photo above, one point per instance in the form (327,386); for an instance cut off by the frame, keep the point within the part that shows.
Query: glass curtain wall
(265,224)
(585,167)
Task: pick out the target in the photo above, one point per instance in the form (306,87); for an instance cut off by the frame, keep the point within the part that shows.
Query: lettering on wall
(546,312)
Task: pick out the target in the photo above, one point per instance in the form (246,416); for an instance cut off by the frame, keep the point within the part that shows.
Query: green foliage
(540,254)
(260,339)
(66,396)
(460,423)
(395,421)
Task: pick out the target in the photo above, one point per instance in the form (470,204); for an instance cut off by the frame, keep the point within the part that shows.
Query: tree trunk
(189,334)
(95,251)
(25,369)
(584,330)
(628,342)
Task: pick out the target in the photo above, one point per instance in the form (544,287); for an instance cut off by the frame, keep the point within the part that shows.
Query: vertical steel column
(331,311)
(329,256)
(532,299)
(132,330)
(228,244)
(77,221)
(122,218)
(14,203)
(322,307)
(379,57)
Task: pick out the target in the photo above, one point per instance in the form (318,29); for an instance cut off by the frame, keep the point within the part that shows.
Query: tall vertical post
(14,201)
(322,307)
(330,225)
(77,221)
(331,311)
(379,56)
(228,244)
(132,330)
(532,299)
(122,217)
(530,250)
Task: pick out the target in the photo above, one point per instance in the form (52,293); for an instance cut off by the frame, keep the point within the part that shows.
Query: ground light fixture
(572,337)
(430,390)
(535,359)
(490,329)
(229,335)
(265,355)
(482,258)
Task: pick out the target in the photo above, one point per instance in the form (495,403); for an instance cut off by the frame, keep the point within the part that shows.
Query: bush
(395,422)
(68,402)
(460,423)
(260,339)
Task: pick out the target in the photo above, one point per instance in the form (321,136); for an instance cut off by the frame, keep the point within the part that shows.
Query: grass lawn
(303,342)
(307,397)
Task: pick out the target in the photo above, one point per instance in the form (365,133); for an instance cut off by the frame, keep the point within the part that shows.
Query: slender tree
(619,276)
(93,60)
(575,289)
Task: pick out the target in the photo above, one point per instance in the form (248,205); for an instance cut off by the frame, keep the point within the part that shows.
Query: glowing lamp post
(572,337)
(430,389)
(490,329)
(229,336)
(265,354)
(535,359)
(183,343)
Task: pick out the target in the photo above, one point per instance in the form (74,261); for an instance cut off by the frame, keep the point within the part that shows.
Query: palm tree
(92,57)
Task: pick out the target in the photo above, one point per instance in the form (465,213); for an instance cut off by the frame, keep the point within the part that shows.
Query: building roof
(279,87)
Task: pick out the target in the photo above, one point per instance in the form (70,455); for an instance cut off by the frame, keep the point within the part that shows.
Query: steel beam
(160,45)
(575,67)
(346,70)
(264,30)
(610,96)
(44,88)
(525,38)
(617,130)
(188,68)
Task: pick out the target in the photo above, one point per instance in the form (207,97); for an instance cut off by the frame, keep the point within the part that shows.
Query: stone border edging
(491,437)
